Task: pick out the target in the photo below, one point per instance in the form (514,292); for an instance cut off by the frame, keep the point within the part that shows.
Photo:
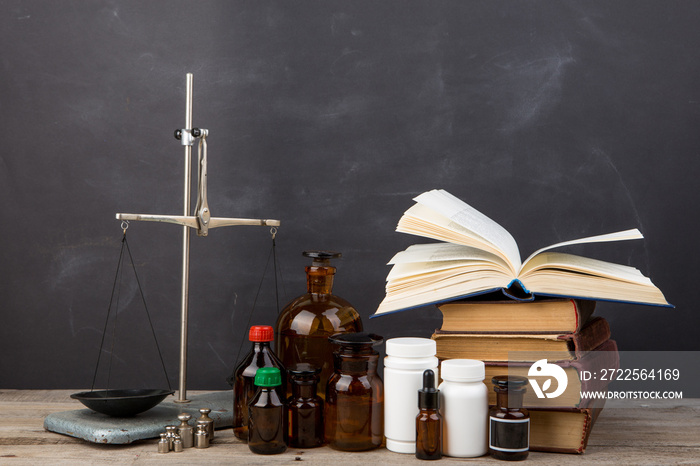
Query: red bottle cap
(261,333)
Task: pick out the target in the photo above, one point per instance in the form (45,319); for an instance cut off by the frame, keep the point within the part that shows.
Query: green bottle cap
(268,377)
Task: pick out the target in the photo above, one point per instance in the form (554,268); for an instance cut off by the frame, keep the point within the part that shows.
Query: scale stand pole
(182,392)
(202,221)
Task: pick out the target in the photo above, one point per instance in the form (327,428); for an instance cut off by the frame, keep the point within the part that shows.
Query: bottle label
(509,435)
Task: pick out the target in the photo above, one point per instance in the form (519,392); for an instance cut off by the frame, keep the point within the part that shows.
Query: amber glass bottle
(304,325)
(509,422)
(305,408)
(267,433)
(354,413)
(243,377)
(429,420)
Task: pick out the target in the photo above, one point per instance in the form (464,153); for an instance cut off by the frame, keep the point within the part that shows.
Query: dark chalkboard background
(559,119)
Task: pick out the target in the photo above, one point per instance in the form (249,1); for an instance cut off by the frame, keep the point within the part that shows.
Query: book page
(424,221)
(447,289)
(617,236)
(422,259)
(586,265)
(552,282)
(471,219)
(433,252)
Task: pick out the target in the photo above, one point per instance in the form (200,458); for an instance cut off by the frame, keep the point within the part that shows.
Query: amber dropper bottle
(429,420)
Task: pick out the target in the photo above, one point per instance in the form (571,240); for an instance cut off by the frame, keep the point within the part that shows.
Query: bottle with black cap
(509,422)
(429,420)
(304,325)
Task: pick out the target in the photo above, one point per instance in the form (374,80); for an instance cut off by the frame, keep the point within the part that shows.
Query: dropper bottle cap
(428,396)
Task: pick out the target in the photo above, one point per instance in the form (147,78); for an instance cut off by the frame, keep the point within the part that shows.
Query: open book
(479,256)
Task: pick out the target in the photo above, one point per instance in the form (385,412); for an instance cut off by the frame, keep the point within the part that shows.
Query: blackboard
(559,119)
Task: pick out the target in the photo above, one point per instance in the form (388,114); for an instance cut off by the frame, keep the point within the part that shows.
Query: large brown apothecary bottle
(304,325)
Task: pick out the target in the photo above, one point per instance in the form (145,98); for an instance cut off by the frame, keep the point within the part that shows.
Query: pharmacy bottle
(354,413)
(509,422)
(243,377)
(464,408)
(267,415)
(304,325)
(305,408)
(428,421)
(406,360)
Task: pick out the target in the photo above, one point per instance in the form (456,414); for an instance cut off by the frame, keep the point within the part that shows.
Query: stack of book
(510,336)
(549,302)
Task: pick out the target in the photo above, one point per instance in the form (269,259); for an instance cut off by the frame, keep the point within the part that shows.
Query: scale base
(100,428)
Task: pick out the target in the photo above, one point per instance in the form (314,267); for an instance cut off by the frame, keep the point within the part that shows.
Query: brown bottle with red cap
(243,378)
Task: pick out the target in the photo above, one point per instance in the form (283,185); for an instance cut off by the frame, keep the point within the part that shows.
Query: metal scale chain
(116,287)
(272,254)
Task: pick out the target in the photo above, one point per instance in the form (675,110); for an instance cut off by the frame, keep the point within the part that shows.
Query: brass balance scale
(123,416)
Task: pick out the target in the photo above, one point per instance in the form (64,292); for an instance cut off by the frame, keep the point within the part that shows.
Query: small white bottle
(464,408)
(407,358)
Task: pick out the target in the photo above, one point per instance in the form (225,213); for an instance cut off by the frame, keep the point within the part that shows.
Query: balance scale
(101,428)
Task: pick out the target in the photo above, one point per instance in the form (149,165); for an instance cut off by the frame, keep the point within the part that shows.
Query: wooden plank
(653,435)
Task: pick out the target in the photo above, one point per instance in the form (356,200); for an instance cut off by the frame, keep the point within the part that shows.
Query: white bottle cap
(409,347)
(463,370)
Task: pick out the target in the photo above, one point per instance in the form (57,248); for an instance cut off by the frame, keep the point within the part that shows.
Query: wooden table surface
(669,434)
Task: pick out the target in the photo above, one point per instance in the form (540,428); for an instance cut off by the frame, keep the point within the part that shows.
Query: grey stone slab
(100,428)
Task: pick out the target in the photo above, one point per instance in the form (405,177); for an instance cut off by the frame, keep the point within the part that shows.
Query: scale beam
(193,222)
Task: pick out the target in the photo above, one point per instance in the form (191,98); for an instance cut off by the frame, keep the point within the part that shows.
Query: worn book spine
(510,316)
(595,333)
(592,335)
(546,444)
(605,356)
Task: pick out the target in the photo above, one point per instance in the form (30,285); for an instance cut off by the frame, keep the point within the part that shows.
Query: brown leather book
(582,376)
(563,430)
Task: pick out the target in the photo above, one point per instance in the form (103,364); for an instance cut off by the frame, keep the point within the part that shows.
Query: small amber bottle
(429,420)
(304,325)
(267,433)
(509,422)
(305,408)
(243,376)
(354,413)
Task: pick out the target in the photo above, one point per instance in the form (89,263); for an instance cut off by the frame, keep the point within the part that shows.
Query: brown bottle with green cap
(267,432)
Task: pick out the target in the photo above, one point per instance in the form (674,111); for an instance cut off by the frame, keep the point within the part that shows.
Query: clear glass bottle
(243,377)
(354,413)
(267,432)
(305,408)
(429,420)
(509,422)
(304,325)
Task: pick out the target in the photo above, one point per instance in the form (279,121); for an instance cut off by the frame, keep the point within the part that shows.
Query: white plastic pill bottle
(464,408)
(406,359)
